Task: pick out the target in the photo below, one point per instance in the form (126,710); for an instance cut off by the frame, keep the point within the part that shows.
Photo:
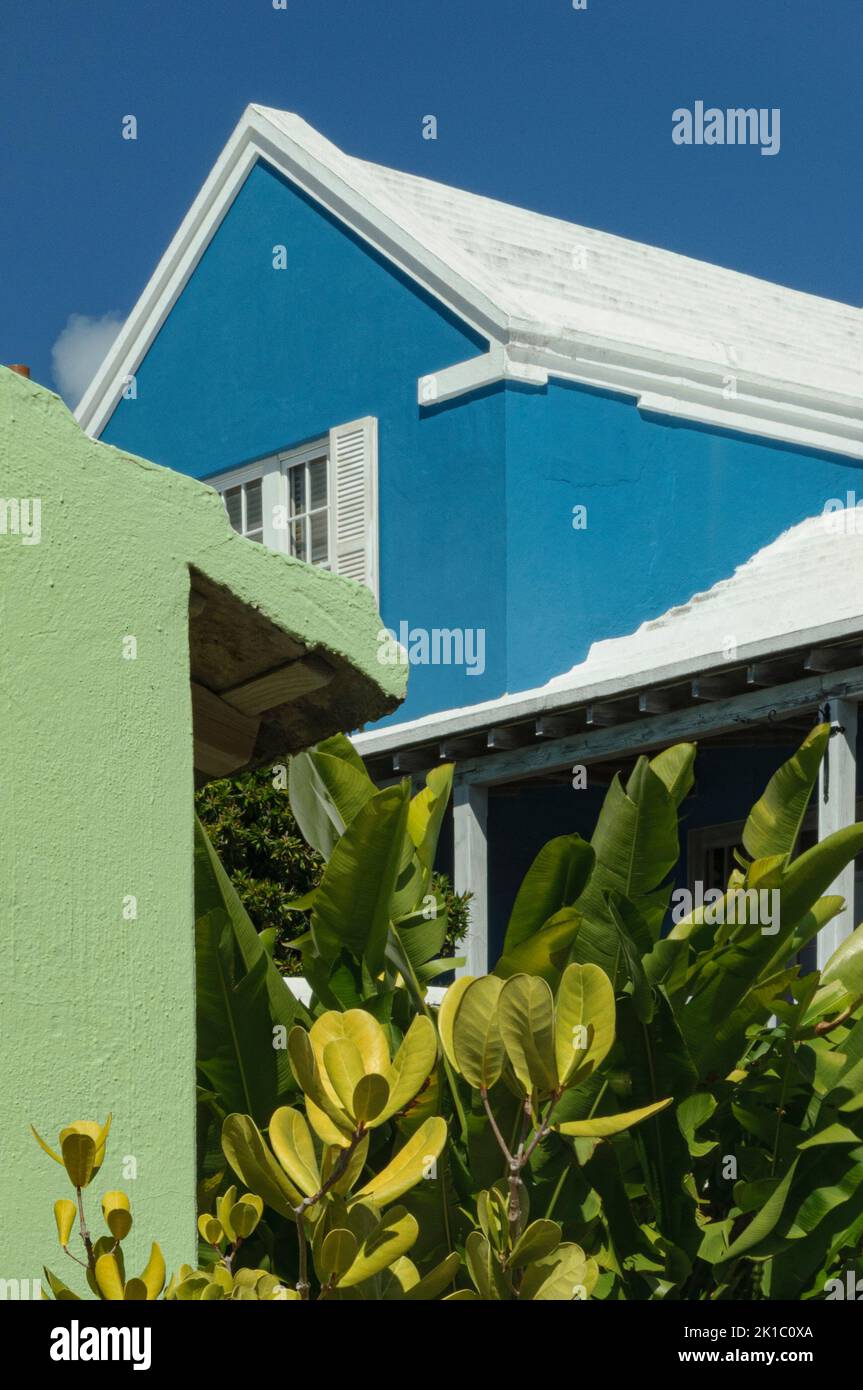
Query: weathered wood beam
(766,673)
(224,739)
(452,749)
(829,658)
(715,687)
(280,687)
(689,723)
(655,702)
(556,725)
(602,714)
(512,736)
(415,759)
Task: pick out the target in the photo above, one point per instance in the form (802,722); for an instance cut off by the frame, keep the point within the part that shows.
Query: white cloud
(79,352)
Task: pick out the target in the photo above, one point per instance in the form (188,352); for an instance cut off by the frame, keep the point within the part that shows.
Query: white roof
(684,337)
(554,278)
(773,603)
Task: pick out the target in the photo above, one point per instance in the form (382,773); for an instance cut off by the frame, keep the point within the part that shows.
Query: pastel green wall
(97,1013)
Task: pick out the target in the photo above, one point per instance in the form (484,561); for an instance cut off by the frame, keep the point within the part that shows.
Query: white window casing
(260,503)
(354,506)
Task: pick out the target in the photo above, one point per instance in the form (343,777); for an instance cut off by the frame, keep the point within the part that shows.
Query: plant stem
(339,1167)
(502,1144)
(85,1234)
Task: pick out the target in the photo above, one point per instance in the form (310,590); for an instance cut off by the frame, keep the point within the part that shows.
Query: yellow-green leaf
(117,1213)
(210,1229)
(584,1020)
(476,1037)
(338,1252)
(395,1234)
(246,1214)
(433,1284)
(411,1067)
(413,1162)
(109,1279)
(291,1141)
(64,1214)
(48,1150)
(79,1158)
(536,1242)
(602,1126)
(526,1020)
(371,1095)
(153,1276)
(360,1028)
(249,1157)
(343,1068)
(311,1078)
(446,1015)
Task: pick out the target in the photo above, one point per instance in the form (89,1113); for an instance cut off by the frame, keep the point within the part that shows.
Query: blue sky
(565,111)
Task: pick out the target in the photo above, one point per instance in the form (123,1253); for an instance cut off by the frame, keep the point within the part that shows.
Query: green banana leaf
(774,822)
(354,901)
(555,880)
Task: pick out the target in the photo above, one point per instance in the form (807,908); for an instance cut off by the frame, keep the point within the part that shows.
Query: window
(308,508)
(318,503)
(244,505)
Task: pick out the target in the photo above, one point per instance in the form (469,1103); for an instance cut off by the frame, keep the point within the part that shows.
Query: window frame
(272,470)
(302,457)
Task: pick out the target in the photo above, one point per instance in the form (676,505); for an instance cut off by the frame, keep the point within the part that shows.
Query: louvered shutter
(354,512)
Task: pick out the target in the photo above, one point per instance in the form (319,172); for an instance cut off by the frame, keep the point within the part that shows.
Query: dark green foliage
(250,824)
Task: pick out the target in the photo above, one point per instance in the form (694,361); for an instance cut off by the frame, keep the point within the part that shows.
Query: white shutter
(354,510)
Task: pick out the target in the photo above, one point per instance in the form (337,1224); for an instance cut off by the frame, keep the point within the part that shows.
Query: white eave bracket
(496,365)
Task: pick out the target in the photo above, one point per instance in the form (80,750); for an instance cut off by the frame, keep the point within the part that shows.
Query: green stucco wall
(97,1012)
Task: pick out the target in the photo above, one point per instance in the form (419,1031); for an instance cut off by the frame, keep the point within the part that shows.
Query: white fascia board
(557,696)
(254,138)
(168,280)
(708,392)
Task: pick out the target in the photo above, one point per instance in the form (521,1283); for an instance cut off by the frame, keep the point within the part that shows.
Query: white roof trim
(683,338)
(256,138)
(771,604)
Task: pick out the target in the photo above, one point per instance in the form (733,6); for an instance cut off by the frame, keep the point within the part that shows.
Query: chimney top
(19,368)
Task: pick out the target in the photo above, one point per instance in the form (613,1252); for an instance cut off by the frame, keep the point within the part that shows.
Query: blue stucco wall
(252,360)
(476,496)
(672,509)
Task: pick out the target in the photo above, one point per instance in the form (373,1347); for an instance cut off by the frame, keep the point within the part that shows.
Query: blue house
(605,494)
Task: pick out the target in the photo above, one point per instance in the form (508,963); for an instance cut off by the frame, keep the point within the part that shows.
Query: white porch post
(838,784)
(470,818)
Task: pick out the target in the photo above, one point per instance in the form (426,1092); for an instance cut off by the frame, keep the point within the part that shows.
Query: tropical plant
(82,1152)
(249,822)
(619,1110)
(746,1172)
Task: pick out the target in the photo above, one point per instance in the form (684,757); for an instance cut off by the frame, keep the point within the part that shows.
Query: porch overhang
(769,683)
